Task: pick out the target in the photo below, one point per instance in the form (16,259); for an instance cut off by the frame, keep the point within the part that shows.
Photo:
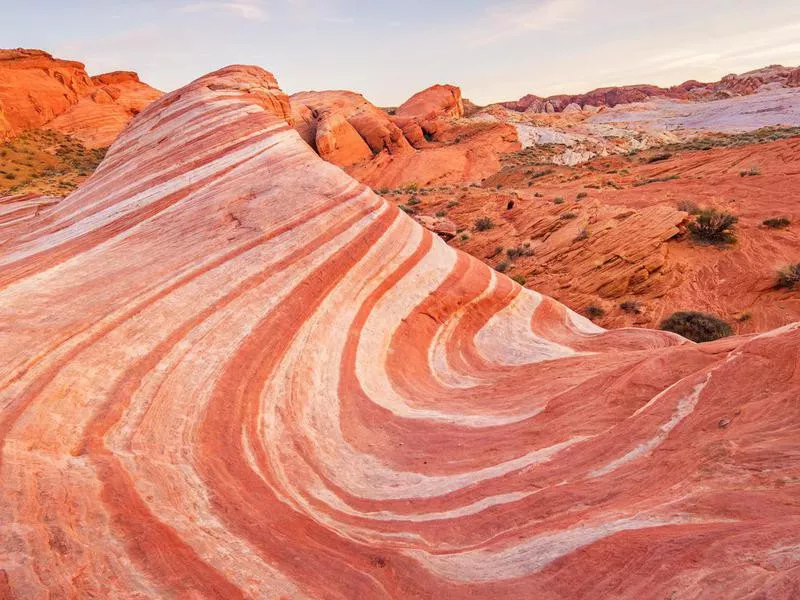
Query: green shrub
(777,223)
(568,216)
(484,224)
(558,200)
(713,227)
(519,279)
(696,326)
(789,276)
(582,195)
(441,213)
(453,204)
(413,201)
(502,266)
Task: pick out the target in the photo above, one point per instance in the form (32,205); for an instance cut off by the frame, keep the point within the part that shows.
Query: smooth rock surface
(229,370)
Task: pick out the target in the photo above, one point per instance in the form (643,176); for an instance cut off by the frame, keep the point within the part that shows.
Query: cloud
(511,19)
(251,10)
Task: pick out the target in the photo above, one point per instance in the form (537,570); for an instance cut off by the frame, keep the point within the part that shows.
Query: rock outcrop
(730,85)
(426,113)
(229,370)
(344,127)
(98,117)
(38,90)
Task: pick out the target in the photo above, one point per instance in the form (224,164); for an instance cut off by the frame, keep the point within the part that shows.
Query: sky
(493,49)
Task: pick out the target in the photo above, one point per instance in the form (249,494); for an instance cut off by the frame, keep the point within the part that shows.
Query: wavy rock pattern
(229,370)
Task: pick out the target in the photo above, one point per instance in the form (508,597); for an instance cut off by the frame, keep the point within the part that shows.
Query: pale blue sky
(495,50)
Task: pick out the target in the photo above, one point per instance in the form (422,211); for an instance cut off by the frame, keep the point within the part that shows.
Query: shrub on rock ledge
(484,224)
(696,326)
(713,227)
(789,277)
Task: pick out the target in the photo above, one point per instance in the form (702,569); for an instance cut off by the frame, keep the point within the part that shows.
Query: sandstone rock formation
(730,85)
(424,115)
(98,117)
(229,370)
(424,141)
(37,90)
(344,127)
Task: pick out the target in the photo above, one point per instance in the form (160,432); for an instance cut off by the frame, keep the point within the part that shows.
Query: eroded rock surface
(38,90)
(229,370)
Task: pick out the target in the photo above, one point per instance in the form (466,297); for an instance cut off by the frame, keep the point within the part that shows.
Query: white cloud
(510,19)
(251,10)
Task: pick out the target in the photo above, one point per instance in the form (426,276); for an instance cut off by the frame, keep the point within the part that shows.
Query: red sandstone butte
(38,90)
(229,370)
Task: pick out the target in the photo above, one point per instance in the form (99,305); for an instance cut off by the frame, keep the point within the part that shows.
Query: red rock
(231,371)
(432,103)
(425,114)
(344,127)
(793,79)
(98,118)
(441,226)
(737,85)
(37,90)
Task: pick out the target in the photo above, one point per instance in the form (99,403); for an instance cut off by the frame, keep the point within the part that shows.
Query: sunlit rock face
(38,90)
(228,370)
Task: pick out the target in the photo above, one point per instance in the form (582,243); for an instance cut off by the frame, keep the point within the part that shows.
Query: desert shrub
(713,227)
(777,222)
(413,201)
(10,176)
(519,279)
(594,312)
(581,195)
(658,157)
(656,180)
(411,187)
(567,216)
(689,207)
(789,276)
(542,173)
(524,250)
(696,326)
(441,213)
(558,200)
(464,237)
(583,235)
(538,195)
(502,266)
(453,204)
(631,306)
(408,209)
(484,224)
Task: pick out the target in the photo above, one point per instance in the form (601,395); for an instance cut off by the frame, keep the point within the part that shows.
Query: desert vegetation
(713,227)
(697,326)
